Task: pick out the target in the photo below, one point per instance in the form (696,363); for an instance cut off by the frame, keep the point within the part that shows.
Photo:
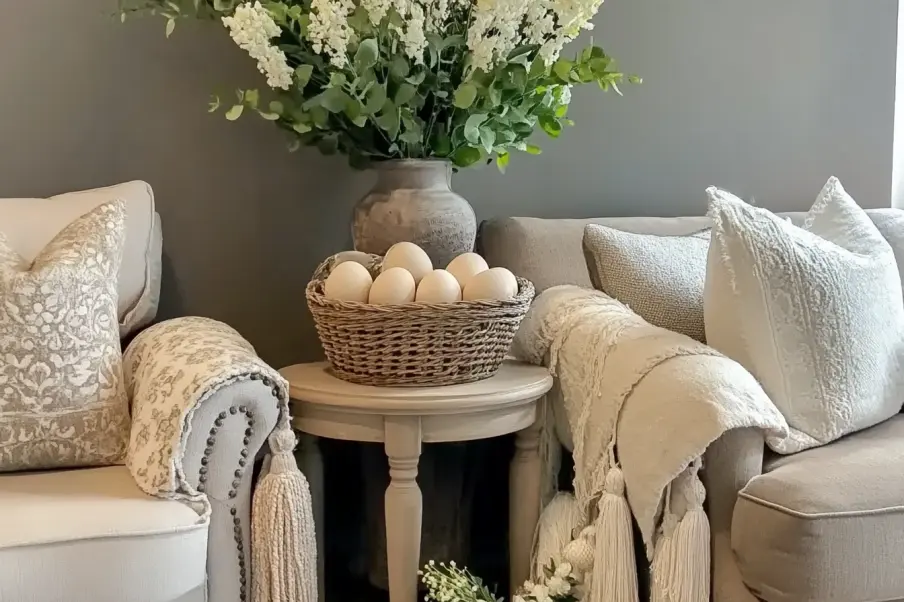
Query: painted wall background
(765,98)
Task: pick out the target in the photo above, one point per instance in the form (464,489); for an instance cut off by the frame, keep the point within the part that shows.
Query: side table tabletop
(402,418)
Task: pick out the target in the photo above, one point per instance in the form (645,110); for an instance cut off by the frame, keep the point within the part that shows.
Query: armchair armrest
(730,463)
(203,404)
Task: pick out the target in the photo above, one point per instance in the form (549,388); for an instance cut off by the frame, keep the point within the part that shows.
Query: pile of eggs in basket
(407,276)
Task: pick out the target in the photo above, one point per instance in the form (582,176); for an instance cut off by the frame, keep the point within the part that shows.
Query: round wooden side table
(402,418)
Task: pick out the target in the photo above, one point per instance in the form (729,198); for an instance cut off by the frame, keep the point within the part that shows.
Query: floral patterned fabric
(170,370)
(62,397)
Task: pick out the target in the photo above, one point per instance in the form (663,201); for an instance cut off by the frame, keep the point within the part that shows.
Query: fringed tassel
(554,531)
(681,561)
(283,546)
(614,575)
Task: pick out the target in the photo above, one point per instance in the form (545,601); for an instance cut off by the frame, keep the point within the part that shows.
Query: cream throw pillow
(814,313)
(62,397)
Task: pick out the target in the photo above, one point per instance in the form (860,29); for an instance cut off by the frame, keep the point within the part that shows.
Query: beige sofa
(91,535)
(824,525)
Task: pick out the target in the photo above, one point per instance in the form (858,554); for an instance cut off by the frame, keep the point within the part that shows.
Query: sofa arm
(730,463)
(203,404)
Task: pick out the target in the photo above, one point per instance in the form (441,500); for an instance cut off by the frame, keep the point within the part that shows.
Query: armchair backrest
(29,224)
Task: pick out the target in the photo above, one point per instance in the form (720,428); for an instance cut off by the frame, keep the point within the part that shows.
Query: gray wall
(765,98)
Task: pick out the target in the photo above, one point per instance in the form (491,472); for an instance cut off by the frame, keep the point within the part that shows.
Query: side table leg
(311,464)
(524,503)
(403,506)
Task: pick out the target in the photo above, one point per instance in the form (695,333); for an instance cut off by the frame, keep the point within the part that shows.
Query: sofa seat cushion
(827,523)
(89,535)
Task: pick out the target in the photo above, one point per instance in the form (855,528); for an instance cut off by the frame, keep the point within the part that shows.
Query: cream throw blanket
(643,403)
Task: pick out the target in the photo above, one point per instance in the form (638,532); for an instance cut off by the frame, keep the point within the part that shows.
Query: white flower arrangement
(463,80)
(451,583)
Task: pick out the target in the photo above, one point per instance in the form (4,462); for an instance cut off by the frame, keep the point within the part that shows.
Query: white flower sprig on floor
(451,583)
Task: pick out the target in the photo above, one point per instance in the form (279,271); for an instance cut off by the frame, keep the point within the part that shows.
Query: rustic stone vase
(413,201)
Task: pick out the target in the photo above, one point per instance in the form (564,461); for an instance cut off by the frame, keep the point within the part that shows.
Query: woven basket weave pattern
(415,344)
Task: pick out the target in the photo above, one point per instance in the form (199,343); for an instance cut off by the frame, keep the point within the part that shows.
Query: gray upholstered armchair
(92,534)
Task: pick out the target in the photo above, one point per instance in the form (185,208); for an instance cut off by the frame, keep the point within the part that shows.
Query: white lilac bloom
(376,9)
(495,31)
(329,31)
(414,37)
(252,27)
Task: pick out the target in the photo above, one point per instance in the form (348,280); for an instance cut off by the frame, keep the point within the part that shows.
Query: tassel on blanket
(681,561)
(554,531)
(614,575)
(283,547)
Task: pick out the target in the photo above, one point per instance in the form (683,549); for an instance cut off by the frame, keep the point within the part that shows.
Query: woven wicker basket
(414,344)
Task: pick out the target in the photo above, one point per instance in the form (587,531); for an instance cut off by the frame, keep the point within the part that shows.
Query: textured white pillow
(814,313)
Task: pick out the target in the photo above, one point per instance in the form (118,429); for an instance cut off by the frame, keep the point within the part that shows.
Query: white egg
(466,266)
(356,256)
(497,283)
(393,287)
(349,281)
(439,286)
(409,256)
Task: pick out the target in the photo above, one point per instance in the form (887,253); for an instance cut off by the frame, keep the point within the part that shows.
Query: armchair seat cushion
(827,523)
(90,534)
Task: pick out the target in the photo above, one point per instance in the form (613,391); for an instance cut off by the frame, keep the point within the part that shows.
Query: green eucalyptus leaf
(170,27)
(235,112)
(320,116)
(252,97)
(562,69)
(487,139)
(502,161)
(599,65)
(452,41)
(367,54)
(359,21)
(303,75)
(533,149)
(276,107)
(550,125)
(472,127)
(466,156)
(465,95)
(269,116)
(562,111)
(523,50)
(301,128)
(388,120)
(376,98)
(538,69)
(338,79)
(333,100)
(214,104)
(495,96)
(404,94)
(360,121)
(417,78)
(440,141)
(399,67)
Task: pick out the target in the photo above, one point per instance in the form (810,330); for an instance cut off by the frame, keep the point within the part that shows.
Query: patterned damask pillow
(62,396)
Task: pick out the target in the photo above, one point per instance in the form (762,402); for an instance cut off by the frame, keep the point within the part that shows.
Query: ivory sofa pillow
(62,396)
(659,277)
(814,313)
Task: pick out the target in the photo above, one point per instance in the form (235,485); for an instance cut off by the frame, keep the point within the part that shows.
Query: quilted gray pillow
(659,277)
